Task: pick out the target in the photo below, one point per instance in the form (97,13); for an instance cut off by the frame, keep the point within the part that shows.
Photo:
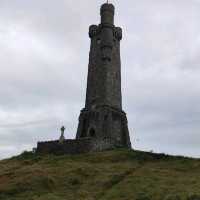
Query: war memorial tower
(103,117)
(102,123)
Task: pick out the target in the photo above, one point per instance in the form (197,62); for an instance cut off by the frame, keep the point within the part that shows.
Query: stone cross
(62,137)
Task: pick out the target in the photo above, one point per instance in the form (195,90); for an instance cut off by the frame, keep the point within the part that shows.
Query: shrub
(143,196)
(194,197)
(173,197)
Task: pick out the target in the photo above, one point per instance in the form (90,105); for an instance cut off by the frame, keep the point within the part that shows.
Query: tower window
(105,117)
(98,41)
(92,132)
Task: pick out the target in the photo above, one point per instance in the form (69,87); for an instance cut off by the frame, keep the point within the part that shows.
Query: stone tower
(103,117)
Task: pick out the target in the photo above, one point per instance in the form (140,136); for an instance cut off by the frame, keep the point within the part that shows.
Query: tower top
(107,13)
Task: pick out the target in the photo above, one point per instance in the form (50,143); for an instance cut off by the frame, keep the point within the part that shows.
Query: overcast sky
(44,49)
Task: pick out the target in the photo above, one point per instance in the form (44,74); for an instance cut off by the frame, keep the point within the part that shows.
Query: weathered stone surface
(67,146)
(103,116)
(84,145)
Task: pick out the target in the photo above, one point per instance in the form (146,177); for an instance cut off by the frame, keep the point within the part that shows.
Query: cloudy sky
(44,49)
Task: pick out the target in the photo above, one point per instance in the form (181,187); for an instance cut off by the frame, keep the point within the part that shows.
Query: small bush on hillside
(143,196)
(28,157)
(24,156)
(173,197)
(194,197)
(46,197)
(75,181)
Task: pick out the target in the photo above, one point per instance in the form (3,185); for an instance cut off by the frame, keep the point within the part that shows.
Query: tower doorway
(92,132)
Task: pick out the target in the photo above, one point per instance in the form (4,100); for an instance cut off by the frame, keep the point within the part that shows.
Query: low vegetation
(111,175)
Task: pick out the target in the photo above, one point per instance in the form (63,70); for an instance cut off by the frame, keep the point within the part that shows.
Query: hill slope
(112,175)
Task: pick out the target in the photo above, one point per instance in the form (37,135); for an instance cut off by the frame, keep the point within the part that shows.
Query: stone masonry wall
(77,146)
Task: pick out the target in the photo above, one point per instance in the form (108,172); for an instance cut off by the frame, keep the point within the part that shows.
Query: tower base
(104,123)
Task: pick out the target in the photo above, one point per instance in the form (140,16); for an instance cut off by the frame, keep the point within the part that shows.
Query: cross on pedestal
(62,137)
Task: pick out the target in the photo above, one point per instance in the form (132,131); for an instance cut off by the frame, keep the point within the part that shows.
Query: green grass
(111,175)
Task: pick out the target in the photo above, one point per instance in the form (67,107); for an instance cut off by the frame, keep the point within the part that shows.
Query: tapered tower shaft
(102,116)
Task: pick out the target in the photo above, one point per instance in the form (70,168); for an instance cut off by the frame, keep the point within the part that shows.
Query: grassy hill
(111,175)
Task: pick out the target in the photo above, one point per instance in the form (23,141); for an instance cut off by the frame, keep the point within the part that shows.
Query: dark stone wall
(84,145)
(68,146)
